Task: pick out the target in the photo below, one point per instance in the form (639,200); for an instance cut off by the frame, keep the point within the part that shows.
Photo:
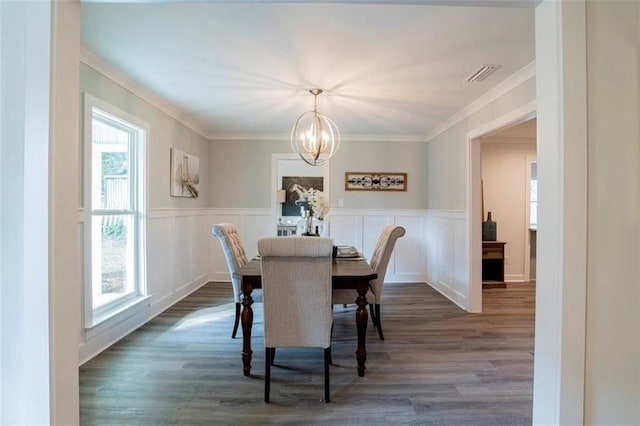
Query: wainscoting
(182,255)
(447,254)
(359,228)
(176,255)
(177,262)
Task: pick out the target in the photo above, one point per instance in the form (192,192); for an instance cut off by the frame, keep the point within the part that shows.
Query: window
(114,219)
(533,196)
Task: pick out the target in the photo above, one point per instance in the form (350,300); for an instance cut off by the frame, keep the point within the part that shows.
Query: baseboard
(454,296)
(514,278)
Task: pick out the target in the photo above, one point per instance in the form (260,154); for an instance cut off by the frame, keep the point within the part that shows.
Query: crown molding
(384,138)
(526,73)
(343,138)
(105,68)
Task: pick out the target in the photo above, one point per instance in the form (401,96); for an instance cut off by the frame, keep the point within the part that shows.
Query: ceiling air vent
(481,73)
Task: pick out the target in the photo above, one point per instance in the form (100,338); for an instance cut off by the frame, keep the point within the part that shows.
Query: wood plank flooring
(437,366)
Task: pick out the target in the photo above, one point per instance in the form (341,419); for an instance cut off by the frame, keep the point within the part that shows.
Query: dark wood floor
(438,365)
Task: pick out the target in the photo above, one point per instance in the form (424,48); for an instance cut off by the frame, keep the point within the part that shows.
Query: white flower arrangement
(313,199)
(318,202)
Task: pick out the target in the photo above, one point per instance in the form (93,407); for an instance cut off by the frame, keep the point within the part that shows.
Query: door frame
(276,158)
(474,195)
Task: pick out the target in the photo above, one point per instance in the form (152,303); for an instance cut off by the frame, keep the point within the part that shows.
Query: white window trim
(117,315)
(95,322)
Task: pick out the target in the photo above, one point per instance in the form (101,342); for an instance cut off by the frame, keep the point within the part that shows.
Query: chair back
(380,257)
(296,291)
(234,253)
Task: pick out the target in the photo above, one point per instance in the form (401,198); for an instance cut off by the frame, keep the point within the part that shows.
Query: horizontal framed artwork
(375,181)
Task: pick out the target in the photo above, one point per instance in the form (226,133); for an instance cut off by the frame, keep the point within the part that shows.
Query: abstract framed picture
(375,181)
(185,174)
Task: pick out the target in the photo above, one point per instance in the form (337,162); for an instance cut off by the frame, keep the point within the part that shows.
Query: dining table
(353,274)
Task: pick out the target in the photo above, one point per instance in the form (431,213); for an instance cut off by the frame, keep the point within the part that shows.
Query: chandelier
(315,137)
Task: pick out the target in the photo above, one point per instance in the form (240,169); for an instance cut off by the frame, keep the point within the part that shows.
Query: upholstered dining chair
(379,262)
(236,257)
(296,295)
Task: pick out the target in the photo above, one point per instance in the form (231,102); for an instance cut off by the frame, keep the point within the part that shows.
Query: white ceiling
(242,70)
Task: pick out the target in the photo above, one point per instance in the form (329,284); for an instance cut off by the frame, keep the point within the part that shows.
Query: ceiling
(242,70)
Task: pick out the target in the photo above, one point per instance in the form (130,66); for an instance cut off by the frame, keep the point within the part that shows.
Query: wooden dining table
(346,274)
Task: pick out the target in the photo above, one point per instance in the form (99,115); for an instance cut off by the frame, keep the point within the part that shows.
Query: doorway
(474,195)
(289,165)
(509,195)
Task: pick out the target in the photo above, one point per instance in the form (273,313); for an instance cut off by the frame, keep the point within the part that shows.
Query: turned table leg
(362,316)
(247,323)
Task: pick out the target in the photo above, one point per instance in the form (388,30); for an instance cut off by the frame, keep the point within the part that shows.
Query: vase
(307,224)
(489,229)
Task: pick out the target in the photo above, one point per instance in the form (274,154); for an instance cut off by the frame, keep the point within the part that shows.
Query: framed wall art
(375,181)
(289,207)
(185,174)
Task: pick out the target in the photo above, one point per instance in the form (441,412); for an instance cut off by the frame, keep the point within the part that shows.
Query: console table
(286,230)
(493,264)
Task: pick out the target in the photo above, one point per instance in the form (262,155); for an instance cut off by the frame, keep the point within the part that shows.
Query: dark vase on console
(489,229)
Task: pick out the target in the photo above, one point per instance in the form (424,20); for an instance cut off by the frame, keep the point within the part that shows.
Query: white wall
(39,257)
(612,391)
(64,186)
(241,173)
(505,162)
(4,34)
(24,301)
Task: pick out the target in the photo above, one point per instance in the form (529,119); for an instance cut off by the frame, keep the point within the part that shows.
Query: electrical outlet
(340,202)
(506,260)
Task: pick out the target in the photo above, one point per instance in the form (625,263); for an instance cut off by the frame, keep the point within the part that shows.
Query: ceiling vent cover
(481,73)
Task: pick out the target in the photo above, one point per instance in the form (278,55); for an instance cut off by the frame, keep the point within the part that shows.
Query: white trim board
(561,290)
